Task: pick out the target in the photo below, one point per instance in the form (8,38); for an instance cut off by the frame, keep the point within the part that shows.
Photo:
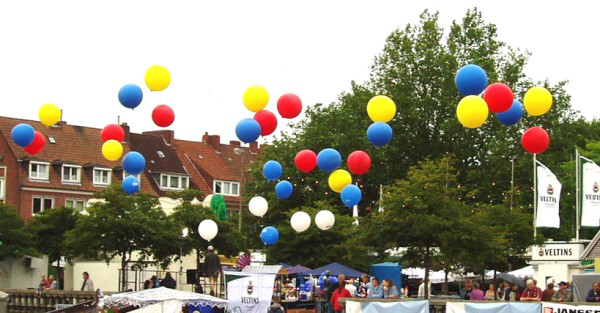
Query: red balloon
(38,144)
(163,115)
(359,162)
(499,97)
(267,121)
(535,140)
(289,105)
(113,131)
(306,160)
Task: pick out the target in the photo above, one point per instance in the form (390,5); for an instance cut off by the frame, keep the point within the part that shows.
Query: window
(40,204)
(2,191)
(227,188)
(52,139)
(102,176)
(39,171)
(173,182)
(75,203)
(160,154)
(71,174)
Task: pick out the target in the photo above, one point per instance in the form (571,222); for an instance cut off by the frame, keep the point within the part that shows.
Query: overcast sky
(78,54)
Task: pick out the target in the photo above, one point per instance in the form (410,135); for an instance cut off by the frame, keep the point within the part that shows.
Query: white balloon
(258,206)
(207,200)
(208,229)
(300,221)
(325,219)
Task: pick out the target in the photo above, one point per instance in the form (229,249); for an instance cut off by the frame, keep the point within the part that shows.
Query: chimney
(254,146)
(167,135)
(212,140)
(234,143)
(126,129)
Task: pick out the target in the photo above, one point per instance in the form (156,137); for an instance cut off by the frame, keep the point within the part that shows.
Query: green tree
(122,226)
(49,231)
(15,240)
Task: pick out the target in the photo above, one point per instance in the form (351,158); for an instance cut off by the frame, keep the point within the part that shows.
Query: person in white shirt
(88,284)
(421,293)
(351,287)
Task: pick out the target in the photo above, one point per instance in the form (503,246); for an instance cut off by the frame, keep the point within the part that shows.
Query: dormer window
(227,188)
(39,171)
(174,182)
(71,174)
(102,176)
(160,154)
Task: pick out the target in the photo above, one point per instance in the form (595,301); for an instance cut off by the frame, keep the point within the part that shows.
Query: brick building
(71,168)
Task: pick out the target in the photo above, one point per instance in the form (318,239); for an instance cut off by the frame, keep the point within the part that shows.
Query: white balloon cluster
(208,229)
(324,220)
(258,206)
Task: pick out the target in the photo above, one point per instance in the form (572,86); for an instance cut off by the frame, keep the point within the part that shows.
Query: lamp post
(240,152)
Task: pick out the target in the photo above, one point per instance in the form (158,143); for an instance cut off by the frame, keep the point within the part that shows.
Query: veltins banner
(551,307)
(249,292)
(548,198)
(590,203)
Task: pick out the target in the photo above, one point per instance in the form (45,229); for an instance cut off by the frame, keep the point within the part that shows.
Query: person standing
(468,288)
(490,294)
(52,283)
(212,265)
(532,292)
(390,291)
(88,284)
(421,293)
(364,285)
(376,290)
(563,294)
(594,293)
(351,287)
(548,292)
(476,293)
(338,293)
(168,281)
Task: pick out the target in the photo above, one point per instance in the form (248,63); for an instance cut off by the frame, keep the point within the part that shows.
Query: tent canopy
(155,295)
(336,269)
(265,269)
(388,270)
(298,269)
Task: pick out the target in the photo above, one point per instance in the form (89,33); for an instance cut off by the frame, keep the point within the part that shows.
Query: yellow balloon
(158,78)
(472,111)
(537,101)
(50,114)
(339,179)
(112,150)
(381,109)
(256,98)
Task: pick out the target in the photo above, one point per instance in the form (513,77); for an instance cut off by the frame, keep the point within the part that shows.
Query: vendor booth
(388,270)
(336,269)
(165,300)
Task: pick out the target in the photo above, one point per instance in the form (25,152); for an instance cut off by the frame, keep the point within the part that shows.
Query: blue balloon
(284,189)
(380,133)
(272,170)
(512,115)
(131,184)
(23,134)
(269,235)
(351,195)
(248,130)
(333,280)
(134,162)
(471,79)
(131,96)
(329,159)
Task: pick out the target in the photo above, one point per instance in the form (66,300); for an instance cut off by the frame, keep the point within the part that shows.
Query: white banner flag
(548,198)
(249,292)
(590,204)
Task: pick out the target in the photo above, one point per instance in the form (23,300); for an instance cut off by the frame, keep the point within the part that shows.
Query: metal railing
(34,301)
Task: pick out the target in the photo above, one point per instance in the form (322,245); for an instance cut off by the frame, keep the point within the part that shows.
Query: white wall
(14,274)
(558,271)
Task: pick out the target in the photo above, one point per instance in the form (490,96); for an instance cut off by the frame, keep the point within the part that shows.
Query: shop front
(556,261)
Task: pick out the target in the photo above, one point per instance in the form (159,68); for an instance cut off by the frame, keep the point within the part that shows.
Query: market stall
(167,298)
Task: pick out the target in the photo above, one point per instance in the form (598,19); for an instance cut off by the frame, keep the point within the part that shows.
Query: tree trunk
(445,287)
(124,276)
(426,279)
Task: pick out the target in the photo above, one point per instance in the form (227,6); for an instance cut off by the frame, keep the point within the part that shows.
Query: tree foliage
(49,231)
(15,240)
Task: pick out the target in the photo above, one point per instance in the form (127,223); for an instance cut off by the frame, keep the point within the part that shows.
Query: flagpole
(577,194)
(534,196)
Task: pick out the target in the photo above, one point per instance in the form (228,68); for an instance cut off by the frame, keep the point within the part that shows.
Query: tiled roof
(160,157)
(74,144)
(208,159)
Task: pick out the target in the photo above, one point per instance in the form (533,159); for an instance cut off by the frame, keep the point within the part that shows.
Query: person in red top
(532,292)
(340,292)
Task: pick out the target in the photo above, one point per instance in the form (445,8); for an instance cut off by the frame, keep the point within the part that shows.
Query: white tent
(526,271)
(161,294)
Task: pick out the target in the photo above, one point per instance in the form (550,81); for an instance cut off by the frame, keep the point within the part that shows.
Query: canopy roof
(155,295)
(298,269)
(336,269)
(265,269)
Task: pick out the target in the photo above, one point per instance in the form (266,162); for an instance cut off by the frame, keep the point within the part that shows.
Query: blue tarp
(388,270)
(336,269)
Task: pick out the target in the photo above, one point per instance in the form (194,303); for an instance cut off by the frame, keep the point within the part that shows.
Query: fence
(33,301)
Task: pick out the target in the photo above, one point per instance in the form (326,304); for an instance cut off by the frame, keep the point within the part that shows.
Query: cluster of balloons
(264,122)
(300,221)
(134,162)
(157,78)
(381,109)
(33,141)
(480,98)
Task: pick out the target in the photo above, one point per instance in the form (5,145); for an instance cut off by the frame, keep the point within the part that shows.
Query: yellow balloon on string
(158,78)
(537,101)
(112,150)
(381,109)
(256,98)
(50,114)
(339,179)
(472,111)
